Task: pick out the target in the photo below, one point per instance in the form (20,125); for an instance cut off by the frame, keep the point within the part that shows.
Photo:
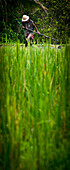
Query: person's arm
(22,25)
(36,28)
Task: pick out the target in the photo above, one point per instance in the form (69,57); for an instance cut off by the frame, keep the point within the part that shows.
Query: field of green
(34,108)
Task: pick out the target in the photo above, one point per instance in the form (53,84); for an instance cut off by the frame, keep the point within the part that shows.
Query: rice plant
(35,105)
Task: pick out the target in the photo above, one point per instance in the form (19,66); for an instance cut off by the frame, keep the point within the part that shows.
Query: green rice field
(34,107)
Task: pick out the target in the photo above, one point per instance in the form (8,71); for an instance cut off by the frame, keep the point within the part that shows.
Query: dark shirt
(28,25)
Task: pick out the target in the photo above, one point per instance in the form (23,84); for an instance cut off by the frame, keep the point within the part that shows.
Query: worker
(28,24)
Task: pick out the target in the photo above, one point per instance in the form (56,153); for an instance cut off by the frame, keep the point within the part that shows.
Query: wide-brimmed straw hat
(25,18)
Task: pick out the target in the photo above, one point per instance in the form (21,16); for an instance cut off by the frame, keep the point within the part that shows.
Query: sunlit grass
(34,119)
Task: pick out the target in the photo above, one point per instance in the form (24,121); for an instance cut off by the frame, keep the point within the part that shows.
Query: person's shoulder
(22,22)
(31,20)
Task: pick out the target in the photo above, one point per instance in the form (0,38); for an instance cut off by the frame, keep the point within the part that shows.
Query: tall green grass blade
(34,118)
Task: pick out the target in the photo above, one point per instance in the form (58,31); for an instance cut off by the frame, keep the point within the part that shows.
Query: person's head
(25,18)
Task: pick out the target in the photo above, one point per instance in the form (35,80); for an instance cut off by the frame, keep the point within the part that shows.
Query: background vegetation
(53,21)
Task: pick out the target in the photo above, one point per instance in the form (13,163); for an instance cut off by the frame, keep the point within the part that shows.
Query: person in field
(29,24)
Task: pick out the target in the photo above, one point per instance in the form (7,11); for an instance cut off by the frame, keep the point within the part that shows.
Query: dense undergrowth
(34,117)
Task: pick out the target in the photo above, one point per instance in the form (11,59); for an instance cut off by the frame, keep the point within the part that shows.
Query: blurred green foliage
(34,107)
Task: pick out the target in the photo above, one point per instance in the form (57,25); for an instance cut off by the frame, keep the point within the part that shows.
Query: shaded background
(54,21)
